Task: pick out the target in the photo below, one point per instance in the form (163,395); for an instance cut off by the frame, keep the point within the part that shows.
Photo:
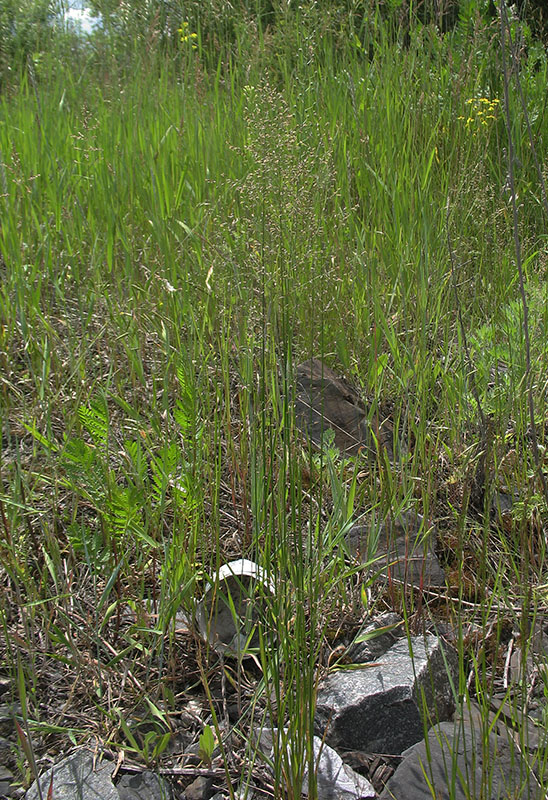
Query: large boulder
(463,759)
(384,706)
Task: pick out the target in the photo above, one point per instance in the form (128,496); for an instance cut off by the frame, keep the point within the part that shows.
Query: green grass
(175,236)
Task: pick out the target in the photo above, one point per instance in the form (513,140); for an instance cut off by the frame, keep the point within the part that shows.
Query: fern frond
(95,421)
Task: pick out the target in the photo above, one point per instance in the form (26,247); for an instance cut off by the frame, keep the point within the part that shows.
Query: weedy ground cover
(179,231)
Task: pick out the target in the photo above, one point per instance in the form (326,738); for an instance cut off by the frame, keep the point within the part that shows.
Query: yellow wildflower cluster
(481,112)
(186,35)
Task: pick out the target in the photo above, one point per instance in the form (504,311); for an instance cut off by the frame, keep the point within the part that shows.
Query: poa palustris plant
(185,219)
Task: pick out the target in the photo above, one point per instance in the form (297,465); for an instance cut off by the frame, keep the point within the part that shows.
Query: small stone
(502,508)
(6,779)
(234,607)
(7,754)
(243,793)
(199,789)
(143,786)
(9,711)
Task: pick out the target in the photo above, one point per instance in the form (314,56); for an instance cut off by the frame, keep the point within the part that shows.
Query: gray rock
(335,779)
(324,402)
(462,761)
(515,712)
(75,778)
(403,546)
(143,786)
(6,779)
(378,636)
(381,708)
(244,793)
(200,789)
(8,711)
(7,752)
(233,607)
(502,508)
(536,655)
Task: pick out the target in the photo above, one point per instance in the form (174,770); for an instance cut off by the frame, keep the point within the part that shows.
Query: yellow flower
(186,35)
(480,110)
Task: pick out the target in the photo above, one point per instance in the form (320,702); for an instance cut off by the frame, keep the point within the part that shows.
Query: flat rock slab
(75,778)
(461,762)
(335,780)
(403,546)
(325,402)
(379,707)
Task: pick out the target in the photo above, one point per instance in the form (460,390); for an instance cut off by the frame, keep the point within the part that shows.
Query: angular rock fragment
(460,760)
(334,779)
(375,638)
(77,778)
(199,789)
(7,778)
(325,402)
(404,547)
(503,508)
(80,777)
(8,711)
(230,612)
(381,708)
(143,786)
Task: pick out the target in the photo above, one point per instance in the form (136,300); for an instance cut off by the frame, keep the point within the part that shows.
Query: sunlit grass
(173,240)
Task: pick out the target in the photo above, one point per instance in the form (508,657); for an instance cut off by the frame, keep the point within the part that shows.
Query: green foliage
(25,32)
(184,218)
(148,738)
(498,354)
(207,745)
(87,542)
(94,419)
(129,496)
(534,13)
